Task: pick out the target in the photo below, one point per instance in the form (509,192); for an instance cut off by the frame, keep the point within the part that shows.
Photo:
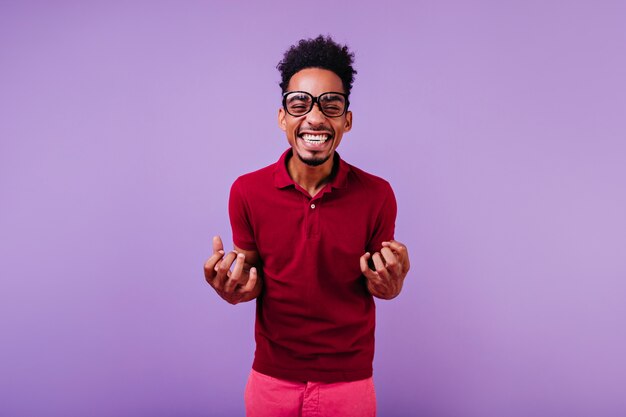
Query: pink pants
(271,397)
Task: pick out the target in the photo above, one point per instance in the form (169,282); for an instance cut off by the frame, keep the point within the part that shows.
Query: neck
(311,178)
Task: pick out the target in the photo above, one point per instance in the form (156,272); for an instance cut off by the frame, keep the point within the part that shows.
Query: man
(306,231)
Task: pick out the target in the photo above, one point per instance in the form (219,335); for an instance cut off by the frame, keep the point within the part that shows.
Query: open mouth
(315,139)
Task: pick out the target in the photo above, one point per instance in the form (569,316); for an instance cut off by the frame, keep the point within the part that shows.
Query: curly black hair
(321,52)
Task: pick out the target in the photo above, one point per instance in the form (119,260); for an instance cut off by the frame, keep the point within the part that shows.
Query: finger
(223,271)
(401,251)
(381,269)
(217,244)
(251,281)
(391,261)
(395,246)
(213,260)
(365,269)
(370,275)
(235,276)
(210,264)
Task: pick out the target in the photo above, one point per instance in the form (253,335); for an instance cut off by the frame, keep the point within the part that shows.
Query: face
(314,137)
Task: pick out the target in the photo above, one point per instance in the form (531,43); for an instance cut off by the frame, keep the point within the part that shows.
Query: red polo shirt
(315,317)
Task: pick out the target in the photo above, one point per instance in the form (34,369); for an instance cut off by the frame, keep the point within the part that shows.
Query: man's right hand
(239,285)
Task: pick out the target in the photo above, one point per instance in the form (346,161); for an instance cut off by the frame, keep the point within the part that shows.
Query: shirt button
(312,206)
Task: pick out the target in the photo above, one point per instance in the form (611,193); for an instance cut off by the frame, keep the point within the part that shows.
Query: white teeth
(315,138)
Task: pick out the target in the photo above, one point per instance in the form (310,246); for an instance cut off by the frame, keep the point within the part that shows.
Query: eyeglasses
(299,103)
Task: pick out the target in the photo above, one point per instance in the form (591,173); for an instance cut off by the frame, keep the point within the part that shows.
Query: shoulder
(256,178)
(372,182)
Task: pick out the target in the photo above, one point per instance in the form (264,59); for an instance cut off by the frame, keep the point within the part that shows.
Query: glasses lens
(332,104)
(298,103)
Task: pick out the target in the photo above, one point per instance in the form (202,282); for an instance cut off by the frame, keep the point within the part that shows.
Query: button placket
(312,217)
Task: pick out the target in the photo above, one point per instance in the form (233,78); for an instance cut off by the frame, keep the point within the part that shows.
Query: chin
(313,157)
(314,162)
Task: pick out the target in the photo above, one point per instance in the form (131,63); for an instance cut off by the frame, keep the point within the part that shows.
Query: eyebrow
(332,96)
(299,96)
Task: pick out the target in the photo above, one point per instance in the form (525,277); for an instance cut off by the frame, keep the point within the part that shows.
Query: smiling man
(313,244)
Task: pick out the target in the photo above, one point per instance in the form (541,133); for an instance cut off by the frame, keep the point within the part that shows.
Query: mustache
(316,129)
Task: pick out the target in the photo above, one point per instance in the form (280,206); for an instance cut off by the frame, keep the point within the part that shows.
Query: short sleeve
(385,225)
(238,210)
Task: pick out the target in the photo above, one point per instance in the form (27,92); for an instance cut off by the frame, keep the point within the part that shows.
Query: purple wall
(501,128)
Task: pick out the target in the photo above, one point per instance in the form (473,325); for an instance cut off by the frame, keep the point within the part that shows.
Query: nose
(315,116)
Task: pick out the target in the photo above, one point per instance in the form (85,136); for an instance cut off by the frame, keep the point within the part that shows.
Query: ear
(348,124)
(282,123)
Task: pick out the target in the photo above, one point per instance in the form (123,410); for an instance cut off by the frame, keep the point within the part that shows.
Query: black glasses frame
(316,100)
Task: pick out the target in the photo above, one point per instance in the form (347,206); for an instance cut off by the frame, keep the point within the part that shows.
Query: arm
(385,265)
(241,284)
(392,264)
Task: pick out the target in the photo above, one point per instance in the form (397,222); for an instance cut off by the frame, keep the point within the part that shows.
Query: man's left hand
(392,264)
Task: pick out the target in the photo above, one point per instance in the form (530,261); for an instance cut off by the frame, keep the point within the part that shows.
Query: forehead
(315,81)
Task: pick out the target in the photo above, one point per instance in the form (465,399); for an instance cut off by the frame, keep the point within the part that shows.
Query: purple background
(502,128)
